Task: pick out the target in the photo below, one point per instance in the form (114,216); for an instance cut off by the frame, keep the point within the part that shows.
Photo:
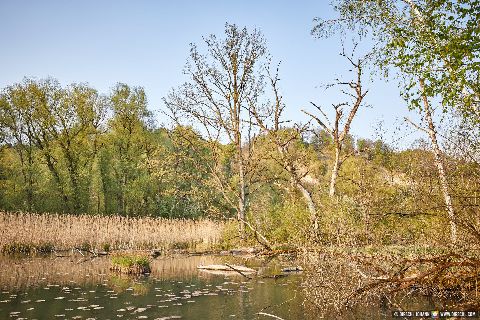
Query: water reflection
(64,288)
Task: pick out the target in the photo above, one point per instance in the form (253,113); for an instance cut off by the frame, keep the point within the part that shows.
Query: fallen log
(227,267)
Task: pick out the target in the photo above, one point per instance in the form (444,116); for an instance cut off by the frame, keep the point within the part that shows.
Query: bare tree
(338,134)
(215,98)
(268,118)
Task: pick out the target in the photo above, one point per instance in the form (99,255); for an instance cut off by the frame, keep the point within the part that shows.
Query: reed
(31,232)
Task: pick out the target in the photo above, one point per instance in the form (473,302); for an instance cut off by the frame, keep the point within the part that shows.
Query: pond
(77,288)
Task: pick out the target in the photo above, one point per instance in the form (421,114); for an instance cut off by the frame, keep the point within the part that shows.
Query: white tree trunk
(241,195)
(440,165)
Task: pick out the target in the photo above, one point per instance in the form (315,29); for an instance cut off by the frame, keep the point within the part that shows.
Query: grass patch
(131,264)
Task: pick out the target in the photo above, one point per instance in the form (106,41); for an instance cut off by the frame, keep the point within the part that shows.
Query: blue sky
(146,43)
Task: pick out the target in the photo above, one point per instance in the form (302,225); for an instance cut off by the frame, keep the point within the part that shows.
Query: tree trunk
(241,193)
(30,180)
(336,166)
(56,175)
(27,175)
(73,175)
(311,205)
(305,193)
(440,165)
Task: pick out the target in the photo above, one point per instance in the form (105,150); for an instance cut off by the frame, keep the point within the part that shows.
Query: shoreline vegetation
(368,272)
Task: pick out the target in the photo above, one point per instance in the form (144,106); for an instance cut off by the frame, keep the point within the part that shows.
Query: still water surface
(79,288)
(71,288)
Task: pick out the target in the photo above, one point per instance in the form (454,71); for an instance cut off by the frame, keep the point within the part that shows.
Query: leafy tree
(124,163)
(434,46)
(62,124)
(181,167)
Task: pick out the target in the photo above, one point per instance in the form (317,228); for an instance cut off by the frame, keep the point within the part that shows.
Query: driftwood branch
(269,315)
(240,272)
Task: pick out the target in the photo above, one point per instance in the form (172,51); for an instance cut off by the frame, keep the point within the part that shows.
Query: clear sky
(146,43)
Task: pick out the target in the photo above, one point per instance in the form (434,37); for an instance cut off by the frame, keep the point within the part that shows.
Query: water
(75,288)
(81,288)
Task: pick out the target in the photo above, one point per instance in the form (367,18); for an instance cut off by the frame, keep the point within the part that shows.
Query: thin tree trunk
(241,195)
(30,180)
(333,179)
(27,176)
(311,205)
(305,193)
(440,165)
(72,171)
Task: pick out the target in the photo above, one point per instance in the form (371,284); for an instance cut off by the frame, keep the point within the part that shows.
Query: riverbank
(341,279)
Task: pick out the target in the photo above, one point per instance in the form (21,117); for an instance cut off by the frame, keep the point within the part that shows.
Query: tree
(16,124)
(60,122)
(181,166)
(125,162)
(269,118)
(436,40)
(76,121)
(335,131)
(434,46)
(221,84)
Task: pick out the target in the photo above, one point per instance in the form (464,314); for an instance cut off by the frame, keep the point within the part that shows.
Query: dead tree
(356,95)
(270,123)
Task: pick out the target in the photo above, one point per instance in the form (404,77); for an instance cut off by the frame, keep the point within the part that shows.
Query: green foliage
(341,223)
(230,236)
(433,40)
(131,264)
(281,217)
(289,223)
(129,261)
(65,155)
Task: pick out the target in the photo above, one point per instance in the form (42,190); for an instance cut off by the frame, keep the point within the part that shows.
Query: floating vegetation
(131,264)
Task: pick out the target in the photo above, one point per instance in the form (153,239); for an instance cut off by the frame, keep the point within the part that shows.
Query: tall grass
(105,232)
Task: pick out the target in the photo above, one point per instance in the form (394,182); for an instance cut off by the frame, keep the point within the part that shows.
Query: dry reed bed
(106,232)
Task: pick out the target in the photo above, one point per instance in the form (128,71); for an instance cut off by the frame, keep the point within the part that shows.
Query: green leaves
(435,40)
